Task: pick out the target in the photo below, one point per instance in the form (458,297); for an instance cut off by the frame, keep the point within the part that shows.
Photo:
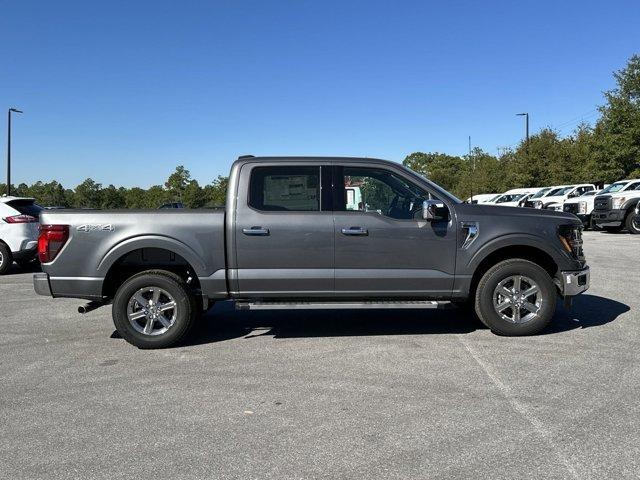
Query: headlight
(582,208)
(538,204)
(618,202)
(556,206)
(571,239)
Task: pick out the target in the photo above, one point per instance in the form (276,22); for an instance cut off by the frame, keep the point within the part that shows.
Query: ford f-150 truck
(287,240)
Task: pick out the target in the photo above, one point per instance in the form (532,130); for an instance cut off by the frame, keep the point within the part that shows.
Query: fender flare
(515,240)
(151,241)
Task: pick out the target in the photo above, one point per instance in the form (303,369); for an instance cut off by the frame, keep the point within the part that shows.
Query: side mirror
(430,210)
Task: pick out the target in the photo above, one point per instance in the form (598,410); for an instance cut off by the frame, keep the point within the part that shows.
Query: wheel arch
(525,251)
(134,261)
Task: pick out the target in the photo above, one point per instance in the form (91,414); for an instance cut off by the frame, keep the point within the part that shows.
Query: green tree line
(179,187)
(600,153)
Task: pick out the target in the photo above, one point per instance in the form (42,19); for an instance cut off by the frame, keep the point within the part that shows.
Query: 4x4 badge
(107,227)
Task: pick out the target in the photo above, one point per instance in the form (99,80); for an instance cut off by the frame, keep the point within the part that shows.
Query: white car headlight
(618,202)
(582,208)
(538,204)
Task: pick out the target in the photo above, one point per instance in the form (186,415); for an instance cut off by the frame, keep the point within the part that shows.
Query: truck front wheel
(515,297)
(632,223)
(154,309)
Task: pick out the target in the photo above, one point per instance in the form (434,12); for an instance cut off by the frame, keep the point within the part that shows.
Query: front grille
(571,208)
(602,203)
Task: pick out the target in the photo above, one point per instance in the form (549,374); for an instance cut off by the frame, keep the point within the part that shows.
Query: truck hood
(555,199)
(516,212)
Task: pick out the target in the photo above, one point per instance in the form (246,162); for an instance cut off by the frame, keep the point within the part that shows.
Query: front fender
(562,259)
(151,241)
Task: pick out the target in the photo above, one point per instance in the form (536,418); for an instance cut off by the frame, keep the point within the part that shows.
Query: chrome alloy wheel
(1,259)
(152,311)
(517,299)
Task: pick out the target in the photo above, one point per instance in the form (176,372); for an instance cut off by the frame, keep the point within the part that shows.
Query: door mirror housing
(432,210)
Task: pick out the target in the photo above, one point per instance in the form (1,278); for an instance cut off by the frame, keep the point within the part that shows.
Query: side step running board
(244,305)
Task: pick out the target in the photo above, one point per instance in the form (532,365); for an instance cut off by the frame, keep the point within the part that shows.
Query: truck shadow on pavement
(223,322)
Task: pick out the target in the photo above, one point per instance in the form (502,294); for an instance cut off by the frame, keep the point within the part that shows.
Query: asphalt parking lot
(404,394)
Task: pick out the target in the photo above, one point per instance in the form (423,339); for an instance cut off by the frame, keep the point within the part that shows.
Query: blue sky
(123,91)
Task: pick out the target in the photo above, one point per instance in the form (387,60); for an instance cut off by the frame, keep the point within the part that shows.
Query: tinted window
(293,189)
(26,207)
(380,191)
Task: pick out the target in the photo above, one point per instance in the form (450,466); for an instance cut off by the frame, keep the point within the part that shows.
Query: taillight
(20,219)
(51,240)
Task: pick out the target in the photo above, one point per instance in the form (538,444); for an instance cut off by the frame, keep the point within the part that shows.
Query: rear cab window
(285,189)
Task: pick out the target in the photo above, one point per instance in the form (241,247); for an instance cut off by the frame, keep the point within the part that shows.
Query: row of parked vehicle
(613,208)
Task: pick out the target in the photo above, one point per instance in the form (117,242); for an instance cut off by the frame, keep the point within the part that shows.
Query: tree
(112,198)
(617,133)
(443,169)
(88,194)
(216,192)
(177,182)
(194,196)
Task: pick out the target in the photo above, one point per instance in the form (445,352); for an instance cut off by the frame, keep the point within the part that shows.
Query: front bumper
(41,284)
(609,218)
(574,282)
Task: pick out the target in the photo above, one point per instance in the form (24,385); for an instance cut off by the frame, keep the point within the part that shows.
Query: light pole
(11,110)
(526,120)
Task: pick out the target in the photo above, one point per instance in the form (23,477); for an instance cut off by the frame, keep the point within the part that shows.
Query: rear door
(284,230)
(383,246)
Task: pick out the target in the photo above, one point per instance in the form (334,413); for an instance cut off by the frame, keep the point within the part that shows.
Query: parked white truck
(614,206)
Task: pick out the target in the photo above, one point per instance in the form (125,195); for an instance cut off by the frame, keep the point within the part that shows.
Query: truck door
(284,238)
(384,247)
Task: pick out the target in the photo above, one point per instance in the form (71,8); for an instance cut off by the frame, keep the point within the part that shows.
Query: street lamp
(526,115)
(11,110)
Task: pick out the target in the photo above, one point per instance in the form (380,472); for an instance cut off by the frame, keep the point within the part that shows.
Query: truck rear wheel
(515,297)
(154,309)
(5,259)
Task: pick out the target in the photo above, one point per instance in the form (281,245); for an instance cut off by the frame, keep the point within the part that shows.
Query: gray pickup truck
(314,233)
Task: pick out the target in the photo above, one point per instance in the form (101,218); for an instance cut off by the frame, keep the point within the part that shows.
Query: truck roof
(253,159)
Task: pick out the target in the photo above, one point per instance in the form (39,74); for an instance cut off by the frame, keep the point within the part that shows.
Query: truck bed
(100,239)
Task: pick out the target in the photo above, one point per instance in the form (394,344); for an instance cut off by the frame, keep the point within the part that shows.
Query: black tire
(484,298)
(175,289)
(632,223)
(6,259)
(612,229)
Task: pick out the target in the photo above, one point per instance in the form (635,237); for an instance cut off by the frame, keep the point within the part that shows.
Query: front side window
(285,188)
(380,191)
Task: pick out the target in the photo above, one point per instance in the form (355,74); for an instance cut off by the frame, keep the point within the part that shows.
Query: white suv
(18,231)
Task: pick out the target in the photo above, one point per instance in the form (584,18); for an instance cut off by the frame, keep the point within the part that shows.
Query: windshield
(512,197)
(614,187)
(559,191)
(541,193)
(589,193)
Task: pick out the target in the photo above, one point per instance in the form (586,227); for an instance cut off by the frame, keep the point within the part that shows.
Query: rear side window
(285,188)
(26,207)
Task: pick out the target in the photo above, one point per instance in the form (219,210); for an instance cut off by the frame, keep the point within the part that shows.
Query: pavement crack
(520,407)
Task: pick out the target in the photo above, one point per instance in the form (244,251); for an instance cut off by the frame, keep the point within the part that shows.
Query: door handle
(256,231)
(355,231)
